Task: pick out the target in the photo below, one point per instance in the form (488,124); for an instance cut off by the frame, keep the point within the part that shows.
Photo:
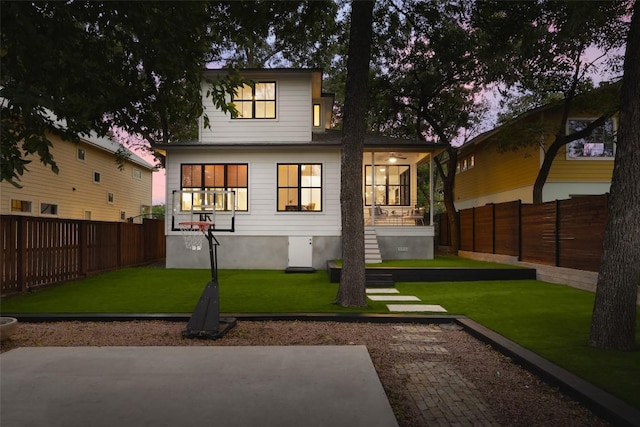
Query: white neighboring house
(284,165)
(89,185)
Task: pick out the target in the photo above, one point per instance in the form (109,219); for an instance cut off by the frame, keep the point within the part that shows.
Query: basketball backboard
(197,207)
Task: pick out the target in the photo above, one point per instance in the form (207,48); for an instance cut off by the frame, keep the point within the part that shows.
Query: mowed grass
(551,320)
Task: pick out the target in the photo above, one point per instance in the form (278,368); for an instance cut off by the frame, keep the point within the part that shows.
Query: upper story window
(598,145)
(212,177)
(97,177)
(137,173)
(317,118)
(391,187)
(256,101)
(81,154)
(299,187)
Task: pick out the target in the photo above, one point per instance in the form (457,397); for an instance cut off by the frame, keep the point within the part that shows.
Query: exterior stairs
(371,248)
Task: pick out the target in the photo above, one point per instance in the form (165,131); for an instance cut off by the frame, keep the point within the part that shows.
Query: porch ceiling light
(392,159)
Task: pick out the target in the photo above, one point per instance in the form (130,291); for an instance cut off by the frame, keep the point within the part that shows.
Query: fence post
(493,225)
(83,248)
(519,230)
(557,234)
(22,253)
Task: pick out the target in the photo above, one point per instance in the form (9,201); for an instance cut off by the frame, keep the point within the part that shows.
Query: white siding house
(284,166)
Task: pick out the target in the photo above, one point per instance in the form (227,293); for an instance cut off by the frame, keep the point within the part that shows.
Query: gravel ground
(515,396)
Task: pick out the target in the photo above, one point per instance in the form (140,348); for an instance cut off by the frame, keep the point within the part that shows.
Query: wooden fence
(39,252)
(563,233)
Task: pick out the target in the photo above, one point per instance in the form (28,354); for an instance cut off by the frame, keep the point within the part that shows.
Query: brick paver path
(438,390)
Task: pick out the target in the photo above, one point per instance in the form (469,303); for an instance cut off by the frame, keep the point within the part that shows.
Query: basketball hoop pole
(205,321)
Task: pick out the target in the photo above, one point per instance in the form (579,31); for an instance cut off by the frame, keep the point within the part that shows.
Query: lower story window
(20,206)
(48,209)
(391,186)
(212,177)
(299,187)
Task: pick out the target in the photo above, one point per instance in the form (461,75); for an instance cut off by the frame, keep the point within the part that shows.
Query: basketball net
(193,233)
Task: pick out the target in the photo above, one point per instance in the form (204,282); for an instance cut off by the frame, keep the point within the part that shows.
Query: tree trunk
(543,173)
(614,313)
(351,292)
(448,181)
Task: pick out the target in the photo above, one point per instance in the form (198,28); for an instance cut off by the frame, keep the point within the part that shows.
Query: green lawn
(551,320)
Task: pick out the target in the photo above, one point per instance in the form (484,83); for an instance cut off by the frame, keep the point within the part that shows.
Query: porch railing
(396,216)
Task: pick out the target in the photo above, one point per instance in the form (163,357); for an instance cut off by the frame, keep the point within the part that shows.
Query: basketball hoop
(193,241)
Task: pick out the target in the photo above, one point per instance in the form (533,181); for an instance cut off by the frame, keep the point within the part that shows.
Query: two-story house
(487,173)
(90,184)
(283,163)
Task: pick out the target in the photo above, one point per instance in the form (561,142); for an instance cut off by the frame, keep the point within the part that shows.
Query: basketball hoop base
(226,324)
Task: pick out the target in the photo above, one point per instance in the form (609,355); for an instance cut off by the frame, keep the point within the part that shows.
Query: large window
(392,185)
(299,187)
(217,177)
(598,145)
(256,101)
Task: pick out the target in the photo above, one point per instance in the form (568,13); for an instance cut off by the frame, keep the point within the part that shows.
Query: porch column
(373,189)
(431,189)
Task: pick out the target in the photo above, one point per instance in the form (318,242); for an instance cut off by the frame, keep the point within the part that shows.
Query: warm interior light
(392,159)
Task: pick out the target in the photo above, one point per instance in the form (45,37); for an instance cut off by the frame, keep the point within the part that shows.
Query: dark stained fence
(563,233)
(466,229)
(581,231)
(39,252)
(483,229)
(507,228)
(538,243)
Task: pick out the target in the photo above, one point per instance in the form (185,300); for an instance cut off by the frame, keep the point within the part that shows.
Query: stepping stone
(382,291)
(393,298)
(416,307)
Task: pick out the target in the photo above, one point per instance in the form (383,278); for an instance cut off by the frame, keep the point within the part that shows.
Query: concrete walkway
(192,386)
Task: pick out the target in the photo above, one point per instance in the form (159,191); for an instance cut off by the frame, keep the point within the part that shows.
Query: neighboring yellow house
(90,184)
(486,174)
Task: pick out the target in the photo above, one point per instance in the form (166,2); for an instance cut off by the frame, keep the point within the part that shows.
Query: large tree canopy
(80,66)
(540,51)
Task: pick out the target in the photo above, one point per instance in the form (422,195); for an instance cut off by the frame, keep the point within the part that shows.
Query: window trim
(111,197)
(614,129)
(97,175)
(253,101)
(83,157)
(226,187)
(299,188)
(139,173)
(386,184)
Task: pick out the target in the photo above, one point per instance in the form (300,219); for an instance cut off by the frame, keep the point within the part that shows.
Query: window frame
(613,135)
(299,207)
(238,102)
(137,174)
(368,188)
(81,154)
(203,186)
(97,177)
